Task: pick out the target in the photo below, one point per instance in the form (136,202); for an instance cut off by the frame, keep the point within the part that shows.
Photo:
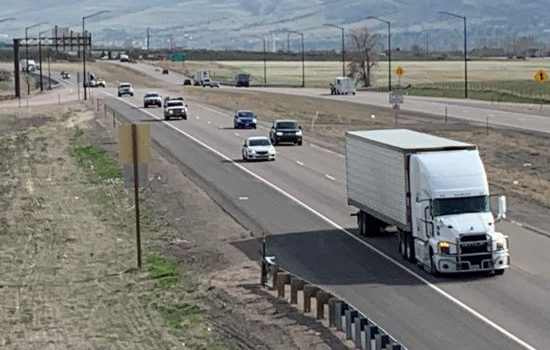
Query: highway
(471,110)
(300,199)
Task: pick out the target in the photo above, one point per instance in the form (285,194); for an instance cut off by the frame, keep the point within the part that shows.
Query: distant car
(285,131)
(188,81)
(152,99)
(165,71)
(124,58)
(242,80)
(258,148)
(125,89)
(175,108)
(244,119)
(210,83)
(65,75)
(101,83)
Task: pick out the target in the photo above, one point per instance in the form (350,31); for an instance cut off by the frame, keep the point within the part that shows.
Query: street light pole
(27,53)
(301,34)
(265,58)
(40,56)
(343,47)
(465,49)
(389,47)
(84,37)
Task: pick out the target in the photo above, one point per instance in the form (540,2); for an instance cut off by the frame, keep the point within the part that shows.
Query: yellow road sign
(125,151)
(399,71)
(541,76)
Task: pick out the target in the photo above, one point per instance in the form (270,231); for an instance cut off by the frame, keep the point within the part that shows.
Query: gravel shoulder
(67,252)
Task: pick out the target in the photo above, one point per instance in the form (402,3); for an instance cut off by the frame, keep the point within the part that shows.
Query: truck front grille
(474,250)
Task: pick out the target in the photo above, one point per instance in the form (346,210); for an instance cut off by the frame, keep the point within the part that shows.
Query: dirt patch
(67,254)
(516,162)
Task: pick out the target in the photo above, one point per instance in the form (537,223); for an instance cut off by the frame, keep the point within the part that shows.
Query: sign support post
(136,193)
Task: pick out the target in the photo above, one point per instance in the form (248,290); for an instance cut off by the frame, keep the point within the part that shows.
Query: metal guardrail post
(296,284)
(350,317)
(360,322)
(332,311)
(370,333)
(309,292)
(381,341)
(275,270)
(322,298)
(339,310)
(283,278)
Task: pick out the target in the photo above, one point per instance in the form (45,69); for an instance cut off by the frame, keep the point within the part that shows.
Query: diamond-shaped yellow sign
(399,71)
(541,75)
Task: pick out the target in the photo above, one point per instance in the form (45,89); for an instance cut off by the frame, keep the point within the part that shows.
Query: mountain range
(231,23)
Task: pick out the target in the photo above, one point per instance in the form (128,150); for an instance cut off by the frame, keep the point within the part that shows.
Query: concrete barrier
(322,298)
(309,291)
(296,284)
(283,278)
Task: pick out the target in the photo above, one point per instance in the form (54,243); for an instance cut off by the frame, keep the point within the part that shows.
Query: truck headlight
(299,133)
(444,247)
(279,133)
(501,244)
(171,112)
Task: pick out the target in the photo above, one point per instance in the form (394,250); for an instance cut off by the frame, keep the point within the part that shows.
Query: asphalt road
(300,200)
(471,110)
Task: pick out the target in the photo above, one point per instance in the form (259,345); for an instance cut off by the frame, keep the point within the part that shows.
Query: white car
(258,148)
(125,89)
(152,99)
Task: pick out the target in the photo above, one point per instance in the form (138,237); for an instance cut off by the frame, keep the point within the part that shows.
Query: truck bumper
(451,263)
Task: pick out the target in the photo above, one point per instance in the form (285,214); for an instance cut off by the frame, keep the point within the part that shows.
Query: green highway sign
(177,57)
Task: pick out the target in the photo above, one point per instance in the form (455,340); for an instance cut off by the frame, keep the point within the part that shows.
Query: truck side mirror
(300,127)
(501,208)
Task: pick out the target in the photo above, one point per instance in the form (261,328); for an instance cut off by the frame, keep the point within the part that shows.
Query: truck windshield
(174,104)
(287,125)
(451,206)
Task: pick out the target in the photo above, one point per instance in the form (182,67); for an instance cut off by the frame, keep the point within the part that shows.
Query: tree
(363,54)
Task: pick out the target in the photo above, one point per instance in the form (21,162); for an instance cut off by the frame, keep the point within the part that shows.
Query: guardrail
(342,316)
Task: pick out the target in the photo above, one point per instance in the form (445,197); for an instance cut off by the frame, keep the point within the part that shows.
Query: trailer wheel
(402,244)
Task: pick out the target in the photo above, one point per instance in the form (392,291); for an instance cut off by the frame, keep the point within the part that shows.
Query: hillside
(227,23)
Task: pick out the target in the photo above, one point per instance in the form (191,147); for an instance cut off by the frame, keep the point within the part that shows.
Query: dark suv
(285,131)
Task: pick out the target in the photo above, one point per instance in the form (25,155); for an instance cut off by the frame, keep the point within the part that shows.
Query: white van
(31,65)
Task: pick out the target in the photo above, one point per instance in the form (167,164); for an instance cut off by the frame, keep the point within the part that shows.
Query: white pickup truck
(175,108)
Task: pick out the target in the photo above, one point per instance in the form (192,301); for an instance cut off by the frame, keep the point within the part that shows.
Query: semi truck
(434,191)
(200,76)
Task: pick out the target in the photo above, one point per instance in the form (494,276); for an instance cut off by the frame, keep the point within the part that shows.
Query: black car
(285,131)
(242,80)
(165,71)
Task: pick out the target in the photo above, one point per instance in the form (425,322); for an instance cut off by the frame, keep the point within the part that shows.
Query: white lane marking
(197,117)
(300,163)
(243,198)
(341,155)
(435,288)
(330,177)
(209,122)
(237,134)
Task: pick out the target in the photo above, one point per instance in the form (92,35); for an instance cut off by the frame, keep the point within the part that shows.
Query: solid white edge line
(337,226)
(300,163)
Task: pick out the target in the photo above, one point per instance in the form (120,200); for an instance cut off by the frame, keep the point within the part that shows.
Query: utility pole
(343,47)
(465,49)
(148,37)
(85,37)
(389,47)
(27,52)
(301,34)
(264,56)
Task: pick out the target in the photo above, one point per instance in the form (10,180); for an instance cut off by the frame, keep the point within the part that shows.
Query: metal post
(343,54)
(55,34)
(49,71)
(16,69)
(389,55)
(303,64)
(27,59)
(148,38)
(136,193)
(264,263)
(40,61)
(465,61)
(288,42)
(265,63)
(84,60)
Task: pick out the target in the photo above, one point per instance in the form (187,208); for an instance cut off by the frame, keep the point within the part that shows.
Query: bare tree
(363,54)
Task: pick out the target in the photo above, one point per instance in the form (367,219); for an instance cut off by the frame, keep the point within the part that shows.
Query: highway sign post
(134,152)
(396,99)
(541,76)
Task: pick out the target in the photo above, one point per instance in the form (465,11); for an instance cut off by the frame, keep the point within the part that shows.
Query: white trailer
(434,191)
(30,66)
(200,76)
(342,86)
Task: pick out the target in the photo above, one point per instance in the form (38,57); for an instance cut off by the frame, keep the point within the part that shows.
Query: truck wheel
(300,143)
(402,244)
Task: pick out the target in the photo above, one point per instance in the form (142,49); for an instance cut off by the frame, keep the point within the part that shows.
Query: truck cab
(453,226)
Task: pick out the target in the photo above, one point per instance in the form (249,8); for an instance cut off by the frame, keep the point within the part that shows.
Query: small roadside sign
(178,57)
(399,71)
(541,76)
(396,98)
(125,150)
